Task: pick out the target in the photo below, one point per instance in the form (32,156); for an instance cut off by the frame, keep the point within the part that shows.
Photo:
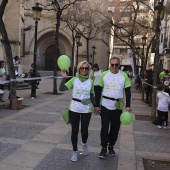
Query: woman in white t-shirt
(80,107)
(16,62)
(96,76)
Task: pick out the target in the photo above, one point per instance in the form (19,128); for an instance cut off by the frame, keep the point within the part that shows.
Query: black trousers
(33,89)
(163,116)
(75,121)
(110,125)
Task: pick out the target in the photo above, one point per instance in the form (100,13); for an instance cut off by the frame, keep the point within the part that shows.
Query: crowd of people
(4,75)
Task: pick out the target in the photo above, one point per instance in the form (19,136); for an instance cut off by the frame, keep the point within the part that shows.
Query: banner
(130,57)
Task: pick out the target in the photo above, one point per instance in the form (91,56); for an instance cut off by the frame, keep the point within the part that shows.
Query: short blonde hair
(80,65)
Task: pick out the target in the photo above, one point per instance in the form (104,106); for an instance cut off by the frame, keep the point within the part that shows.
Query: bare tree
(129,21)
(90,21)
(59,7)
(8,51)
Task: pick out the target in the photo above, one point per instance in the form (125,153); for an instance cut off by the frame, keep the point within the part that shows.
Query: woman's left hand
(63,73)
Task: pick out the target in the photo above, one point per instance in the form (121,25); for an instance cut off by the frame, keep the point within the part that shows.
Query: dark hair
(91,64)
(32,64)
(96,66)
(160,87)
(16,57)
(166,72)
(2,61)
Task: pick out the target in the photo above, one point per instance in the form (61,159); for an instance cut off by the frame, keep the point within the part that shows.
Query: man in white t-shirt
(111,87)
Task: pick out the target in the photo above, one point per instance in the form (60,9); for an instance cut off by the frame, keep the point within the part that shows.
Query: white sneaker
(166,127)
(85,148)
(32,98)
(74,156)
(159,126)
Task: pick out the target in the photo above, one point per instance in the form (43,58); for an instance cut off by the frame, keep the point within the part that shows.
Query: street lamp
(138,53)
(36,16)
(78,43)
(94,51)
(144,38)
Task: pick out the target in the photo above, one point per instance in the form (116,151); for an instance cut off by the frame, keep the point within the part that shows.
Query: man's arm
(128,96)
(98,95)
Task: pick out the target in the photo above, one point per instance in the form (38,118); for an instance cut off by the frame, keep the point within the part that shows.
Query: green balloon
(64,62)
(126,118)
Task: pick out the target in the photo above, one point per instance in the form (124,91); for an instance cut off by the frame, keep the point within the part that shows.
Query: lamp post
(36,16)
(108,62)
(78,43)
(138,53)
(143,53)
(158,16)
(94,51)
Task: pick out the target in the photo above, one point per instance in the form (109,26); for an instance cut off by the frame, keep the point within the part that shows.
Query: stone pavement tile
(7,148)
(59,159)
(23,158)
(147,126)
(141,154)
(125,165)
(12,141)
(5,113)
(12,167)
(37,147)
(48,137)
(157,133)
(127,157)
(152,143)
(162,155)
(35,117)
(19,131)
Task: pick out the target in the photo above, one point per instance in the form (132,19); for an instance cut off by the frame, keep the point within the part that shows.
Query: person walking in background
(96,76)
(149,87)
(16,62)
(112,84)
(163,102)
(166,81)
(33,73)
(80,107)
(3,77)
(91,74)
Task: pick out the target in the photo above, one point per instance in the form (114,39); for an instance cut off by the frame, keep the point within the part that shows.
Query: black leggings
(75,121)
(110,125)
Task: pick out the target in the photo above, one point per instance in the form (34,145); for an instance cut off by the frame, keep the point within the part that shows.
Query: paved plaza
(36,137)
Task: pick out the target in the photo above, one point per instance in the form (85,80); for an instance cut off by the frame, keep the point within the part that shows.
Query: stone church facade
(21,30)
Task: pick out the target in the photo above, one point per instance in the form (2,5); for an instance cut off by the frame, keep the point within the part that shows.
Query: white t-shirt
(163,101)
(96,77)
(113,87)
(81,90)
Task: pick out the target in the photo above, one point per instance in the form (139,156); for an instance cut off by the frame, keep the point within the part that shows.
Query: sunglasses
(114,65)
(84,68)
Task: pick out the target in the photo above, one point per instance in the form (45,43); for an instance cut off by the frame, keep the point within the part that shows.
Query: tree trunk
(8,51)
(87,41)
(57,52)
(156,62)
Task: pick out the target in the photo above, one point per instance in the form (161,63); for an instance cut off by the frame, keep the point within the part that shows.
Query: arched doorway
(49,58)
